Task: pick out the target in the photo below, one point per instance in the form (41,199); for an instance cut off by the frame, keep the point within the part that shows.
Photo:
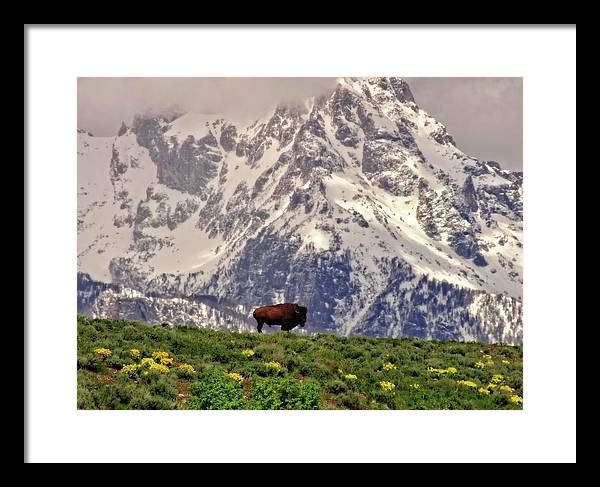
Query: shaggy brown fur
(287,315)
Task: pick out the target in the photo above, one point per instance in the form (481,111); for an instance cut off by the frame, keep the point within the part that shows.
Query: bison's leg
(259,325)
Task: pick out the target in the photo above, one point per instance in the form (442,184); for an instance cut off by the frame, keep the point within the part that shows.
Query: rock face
(186,165)
(358,204)
(112,301)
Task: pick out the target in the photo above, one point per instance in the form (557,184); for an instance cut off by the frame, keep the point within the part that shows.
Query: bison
(288,315)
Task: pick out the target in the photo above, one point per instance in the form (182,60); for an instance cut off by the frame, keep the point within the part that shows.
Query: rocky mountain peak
(122,130)
(382,89)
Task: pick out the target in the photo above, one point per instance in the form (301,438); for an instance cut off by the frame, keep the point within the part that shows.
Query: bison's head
(301,314)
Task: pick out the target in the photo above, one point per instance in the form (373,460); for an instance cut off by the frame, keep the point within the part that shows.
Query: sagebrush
(131,365)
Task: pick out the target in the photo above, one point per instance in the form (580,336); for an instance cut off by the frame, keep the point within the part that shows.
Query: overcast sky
(484,115)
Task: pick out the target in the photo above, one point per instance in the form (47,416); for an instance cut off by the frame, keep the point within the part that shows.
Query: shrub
(185,370)
(215,390)
(234,376)
(131,332)
(315,370)
(129,369)
(87,362)
(271,368)
(350,400)
(219,352)
(85,399)
(273,365)
(149,365)
(162,385)
(143,399)
(352,352)
(250,369)
(285,393)
(113,361)
(105,396)
(336,386)
(158,355)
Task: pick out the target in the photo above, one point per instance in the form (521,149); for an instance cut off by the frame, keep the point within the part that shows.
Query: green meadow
(132,365)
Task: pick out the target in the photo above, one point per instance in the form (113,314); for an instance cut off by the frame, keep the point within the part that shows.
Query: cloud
(104,102)
(483,114)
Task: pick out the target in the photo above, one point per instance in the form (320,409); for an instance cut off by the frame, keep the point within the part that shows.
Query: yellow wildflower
(449,370)
(387,386)
(247,352)
(467,383)
(497,378)
(135,352)
(516,399)
(414,386)
(491,385)
(187,368)
(166,361)
(236,377)
(487,357)
(508,389)
(340,371)
(104,352)
(161,369)
(273,365)
(506,362)
(129,369)
(147,361)
(479,365)
(485,391)
(350,377)
(389,366)
(153,366)
(160,355)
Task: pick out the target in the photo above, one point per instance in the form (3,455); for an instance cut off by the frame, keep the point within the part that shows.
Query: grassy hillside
(130,365)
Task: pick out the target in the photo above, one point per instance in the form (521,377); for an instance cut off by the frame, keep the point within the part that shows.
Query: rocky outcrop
(122,130)
(187,166)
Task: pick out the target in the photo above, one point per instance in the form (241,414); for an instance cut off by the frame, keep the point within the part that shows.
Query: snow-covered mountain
(358,205)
